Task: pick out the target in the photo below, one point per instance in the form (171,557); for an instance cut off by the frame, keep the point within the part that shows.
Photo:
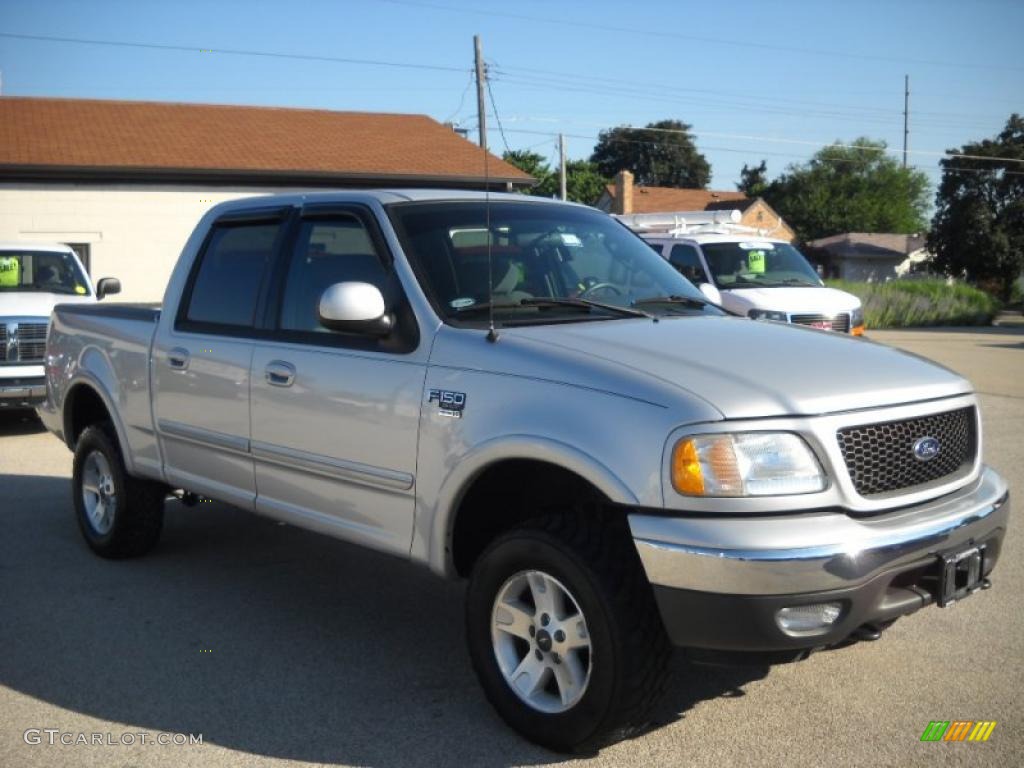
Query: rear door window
(226,288)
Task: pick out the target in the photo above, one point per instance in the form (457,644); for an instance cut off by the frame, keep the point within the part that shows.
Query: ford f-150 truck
(521,393)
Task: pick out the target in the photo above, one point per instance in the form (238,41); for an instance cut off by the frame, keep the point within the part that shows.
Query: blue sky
(757,80)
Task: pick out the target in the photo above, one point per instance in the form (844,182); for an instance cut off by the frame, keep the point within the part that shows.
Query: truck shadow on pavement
(19,423)
(264,638)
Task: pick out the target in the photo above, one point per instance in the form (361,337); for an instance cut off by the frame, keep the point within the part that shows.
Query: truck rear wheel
(119,515)
(564,633)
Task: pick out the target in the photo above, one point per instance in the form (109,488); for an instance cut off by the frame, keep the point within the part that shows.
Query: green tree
(978,229)
(662,154)
(583,183)
(753,180)
(850,188)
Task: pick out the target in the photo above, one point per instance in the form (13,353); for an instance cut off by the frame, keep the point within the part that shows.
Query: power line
(747,43)
(819,144)
(724,104)
(497,117)
(926,168)
(232,52)
(531,72)
(462,100)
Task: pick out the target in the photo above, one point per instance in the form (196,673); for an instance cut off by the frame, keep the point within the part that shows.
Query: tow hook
(867,632)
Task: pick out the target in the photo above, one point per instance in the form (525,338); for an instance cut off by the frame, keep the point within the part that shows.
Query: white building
(124,183)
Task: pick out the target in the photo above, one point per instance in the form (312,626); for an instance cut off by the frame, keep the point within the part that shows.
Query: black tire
(138,512)
(592,554)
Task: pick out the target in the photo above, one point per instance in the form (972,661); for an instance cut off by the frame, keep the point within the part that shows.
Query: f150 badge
(449,403)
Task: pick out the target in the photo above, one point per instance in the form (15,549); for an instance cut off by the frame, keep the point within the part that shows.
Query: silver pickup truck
(522,393)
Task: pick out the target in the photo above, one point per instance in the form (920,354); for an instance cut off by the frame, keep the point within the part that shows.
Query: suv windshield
(758,264)
(41,272)
(548,263)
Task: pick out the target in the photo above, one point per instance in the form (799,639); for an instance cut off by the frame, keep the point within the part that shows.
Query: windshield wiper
(585,305)
(689,301)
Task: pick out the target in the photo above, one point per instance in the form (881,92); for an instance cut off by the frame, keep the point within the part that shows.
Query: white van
(34,278)
(760,277)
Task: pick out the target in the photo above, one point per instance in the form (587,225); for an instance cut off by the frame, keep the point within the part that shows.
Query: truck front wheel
(564,633)
(119,515)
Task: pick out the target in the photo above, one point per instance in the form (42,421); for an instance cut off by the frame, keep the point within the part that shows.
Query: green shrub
(914,303)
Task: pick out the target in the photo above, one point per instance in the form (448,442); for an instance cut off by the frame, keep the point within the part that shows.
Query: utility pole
(906,116)
(561,165)
(481,79)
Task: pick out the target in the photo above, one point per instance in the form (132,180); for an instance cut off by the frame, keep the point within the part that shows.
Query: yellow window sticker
(756,262)
(10,272)
(80,290)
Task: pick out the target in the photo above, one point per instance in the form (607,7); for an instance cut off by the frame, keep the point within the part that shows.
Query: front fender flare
(530,447)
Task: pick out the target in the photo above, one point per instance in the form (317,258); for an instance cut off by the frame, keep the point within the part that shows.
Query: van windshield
(41,272)
(758,264)
(535,262)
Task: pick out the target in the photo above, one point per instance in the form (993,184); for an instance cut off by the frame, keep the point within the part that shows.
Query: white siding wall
(135,232)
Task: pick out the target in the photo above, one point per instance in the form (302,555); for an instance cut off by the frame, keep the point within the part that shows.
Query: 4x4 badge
(449,403)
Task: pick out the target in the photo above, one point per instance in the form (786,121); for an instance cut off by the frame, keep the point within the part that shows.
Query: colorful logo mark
(958,730)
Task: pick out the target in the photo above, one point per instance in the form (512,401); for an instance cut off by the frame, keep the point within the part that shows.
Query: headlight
(857,321)
(768,314)
(745,464)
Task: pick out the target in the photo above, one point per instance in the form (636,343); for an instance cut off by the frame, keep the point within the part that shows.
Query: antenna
(492,335)
(481,77)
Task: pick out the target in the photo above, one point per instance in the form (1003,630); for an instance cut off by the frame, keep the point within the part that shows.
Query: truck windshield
(758,264)
(41,272)
(546,263)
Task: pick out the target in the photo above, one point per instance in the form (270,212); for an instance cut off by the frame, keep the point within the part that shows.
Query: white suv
(759,277)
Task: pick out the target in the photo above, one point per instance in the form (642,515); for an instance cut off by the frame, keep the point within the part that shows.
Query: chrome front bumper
(815,551)
(22,392)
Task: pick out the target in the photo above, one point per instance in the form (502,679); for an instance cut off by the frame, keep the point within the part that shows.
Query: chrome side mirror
(107,286)
(355,308)
(711,293)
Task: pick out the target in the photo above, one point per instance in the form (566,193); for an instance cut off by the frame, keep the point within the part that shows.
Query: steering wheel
(590,290)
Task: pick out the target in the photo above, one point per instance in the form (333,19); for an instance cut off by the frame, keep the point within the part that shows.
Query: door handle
(280,374)
(178,358)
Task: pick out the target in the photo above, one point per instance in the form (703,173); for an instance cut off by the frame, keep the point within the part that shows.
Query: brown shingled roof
(661,199)
(107,137)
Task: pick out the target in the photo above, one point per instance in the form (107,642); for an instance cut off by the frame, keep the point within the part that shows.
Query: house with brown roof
(125,182)
(623,196)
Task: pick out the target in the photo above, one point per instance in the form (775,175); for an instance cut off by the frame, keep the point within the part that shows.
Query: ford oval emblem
(926,449)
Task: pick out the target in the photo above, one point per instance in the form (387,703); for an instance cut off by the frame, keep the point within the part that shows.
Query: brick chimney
(623,192)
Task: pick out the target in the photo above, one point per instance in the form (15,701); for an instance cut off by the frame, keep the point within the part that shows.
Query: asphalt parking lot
(280,646)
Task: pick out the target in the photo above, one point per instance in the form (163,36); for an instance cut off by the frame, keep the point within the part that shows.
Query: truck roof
(32,245)
(712,237)
(383,196)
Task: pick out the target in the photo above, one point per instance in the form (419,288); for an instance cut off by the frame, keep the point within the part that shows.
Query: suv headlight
(857,318)
(745,464)
(768,314)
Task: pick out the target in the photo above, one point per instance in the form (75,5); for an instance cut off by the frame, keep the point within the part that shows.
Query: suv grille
(30,346)
(839,323)
(880,457)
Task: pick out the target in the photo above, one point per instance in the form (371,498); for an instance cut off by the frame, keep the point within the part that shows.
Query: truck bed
(112,341)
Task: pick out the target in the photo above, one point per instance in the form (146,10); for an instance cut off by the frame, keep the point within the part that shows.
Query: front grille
(839,323)
(29,342)
(880,457)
